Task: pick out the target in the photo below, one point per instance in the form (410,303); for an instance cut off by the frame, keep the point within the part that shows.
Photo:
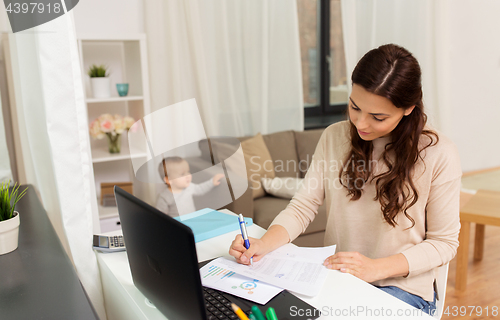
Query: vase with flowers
(112,127)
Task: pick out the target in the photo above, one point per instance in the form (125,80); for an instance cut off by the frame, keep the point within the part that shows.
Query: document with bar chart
(216,277)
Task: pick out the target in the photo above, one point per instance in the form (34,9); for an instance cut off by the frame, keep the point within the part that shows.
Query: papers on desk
(293,268)
(216,277)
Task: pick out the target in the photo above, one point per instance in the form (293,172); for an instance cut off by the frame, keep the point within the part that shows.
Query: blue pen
(244,234)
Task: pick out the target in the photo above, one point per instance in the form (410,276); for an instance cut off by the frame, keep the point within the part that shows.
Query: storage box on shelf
(126,59)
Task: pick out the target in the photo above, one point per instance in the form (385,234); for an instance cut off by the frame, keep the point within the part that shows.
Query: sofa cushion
(258,162)
(283,150)
(268,207)
(244,138)
(205,150)
(282,187)
(306,145)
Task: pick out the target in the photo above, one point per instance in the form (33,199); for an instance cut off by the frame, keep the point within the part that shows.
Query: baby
(177,200)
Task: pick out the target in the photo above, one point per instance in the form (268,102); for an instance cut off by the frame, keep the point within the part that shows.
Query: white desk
(343,296)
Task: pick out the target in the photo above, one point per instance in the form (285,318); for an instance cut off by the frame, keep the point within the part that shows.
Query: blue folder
(208,223)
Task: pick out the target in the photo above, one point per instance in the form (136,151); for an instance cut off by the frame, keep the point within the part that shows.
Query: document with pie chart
(215,276)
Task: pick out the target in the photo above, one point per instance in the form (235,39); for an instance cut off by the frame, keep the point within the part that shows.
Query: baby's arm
(202,188)
(216,179)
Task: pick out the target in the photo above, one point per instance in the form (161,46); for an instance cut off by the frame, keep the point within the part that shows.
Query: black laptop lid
(162,254)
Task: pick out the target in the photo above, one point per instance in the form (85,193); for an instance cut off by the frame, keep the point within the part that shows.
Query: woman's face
(374,116)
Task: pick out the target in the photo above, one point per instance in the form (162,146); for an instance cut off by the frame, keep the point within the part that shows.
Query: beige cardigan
(360,226)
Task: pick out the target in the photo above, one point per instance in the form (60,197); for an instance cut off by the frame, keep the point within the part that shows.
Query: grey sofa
(291,152)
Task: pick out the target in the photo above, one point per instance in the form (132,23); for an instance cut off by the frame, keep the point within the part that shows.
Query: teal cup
(122,89)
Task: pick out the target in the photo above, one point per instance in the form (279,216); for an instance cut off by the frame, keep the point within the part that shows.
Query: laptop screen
(164,265)
(162,257)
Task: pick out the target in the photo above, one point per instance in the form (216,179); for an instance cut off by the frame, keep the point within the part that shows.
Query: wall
(109,16)
(474,59)
(474,114)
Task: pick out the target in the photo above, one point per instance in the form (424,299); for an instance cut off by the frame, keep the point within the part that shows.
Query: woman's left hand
(356,264)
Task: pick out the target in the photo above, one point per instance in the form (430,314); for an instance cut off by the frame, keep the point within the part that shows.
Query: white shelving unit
(103,155)
(126,58)
(114,99)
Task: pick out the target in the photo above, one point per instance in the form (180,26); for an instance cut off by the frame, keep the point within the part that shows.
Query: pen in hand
(244,234)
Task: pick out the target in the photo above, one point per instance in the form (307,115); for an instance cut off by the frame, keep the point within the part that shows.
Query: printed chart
(218,272)
(217,277)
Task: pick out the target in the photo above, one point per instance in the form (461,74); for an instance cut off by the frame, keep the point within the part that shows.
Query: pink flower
(107,123)
(95,130)
(119,125)
(107,126)
(129,121)
(104,117)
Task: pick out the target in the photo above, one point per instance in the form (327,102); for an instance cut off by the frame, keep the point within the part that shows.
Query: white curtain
(5,172)
(421,26)
(54,139)
(240,60)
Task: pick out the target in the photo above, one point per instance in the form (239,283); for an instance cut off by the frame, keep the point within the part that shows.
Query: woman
(391,186)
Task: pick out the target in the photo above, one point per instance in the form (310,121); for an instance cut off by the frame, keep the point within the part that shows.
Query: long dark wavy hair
(392,72)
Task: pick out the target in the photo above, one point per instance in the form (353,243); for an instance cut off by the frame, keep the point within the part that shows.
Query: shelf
(103,155)
(126,55)
(114,99)
(107,212)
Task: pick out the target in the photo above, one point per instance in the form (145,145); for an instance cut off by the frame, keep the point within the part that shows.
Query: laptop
(164,265)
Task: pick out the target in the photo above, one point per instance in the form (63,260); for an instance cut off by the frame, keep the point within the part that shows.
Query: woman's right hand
(257,250)
(275,237)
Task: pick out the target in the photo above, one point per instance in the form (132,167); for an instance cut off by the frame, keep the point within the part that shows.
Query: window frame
(317,116)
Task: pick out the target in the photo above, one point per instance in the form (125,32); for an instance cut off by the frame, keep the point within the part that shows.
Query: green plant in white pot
(99,80)
(9,218)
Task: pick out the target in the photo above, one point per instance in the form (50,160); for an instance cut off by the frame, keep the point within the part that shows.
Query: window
(323,62)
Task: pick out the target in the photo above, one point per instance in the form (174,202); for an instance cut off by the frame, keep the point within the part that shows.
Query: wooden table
(482,209)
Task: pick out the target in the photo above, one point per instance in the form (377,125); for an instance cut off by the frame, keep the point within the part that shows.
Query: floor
(481,299)
(483,282)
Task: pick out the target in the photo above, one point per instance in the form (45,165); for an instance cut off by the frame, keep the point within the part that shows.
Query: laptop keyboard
(218,307)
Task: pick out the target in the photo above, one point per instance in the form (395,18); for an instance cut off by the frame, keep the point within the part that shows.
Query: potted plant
(99,81)
(9,218)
